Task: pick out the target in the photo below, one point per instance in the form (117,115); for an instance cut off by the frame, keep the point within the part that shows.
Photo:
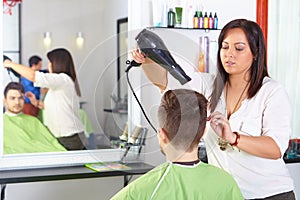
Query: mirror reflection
(88,31)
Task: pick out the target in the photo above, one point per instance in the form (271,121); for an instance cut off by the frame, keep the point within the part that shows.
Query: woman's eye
(239,48)
(225,47)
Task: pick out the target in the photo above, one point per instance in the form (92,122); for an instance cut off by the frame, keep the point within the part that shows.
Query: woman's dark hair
(258,69)
(62,62)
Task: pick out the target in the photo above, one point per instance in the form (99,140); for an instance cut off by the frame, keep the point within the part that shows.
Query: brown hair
(13,86)
(182,114)
(258,69)
(62,62)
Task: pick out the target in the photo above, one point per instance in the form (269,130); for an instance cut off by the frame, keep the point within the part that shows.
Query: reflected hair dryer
(153,47)
(9,69)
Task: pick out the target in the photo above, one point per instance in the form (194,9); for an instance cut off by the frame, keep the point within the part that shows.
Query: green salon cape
(201,182)
(86,122)
(26,134)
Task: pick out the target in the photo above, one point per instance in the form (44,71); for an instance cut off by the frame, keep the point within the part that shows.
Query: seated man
(182,116)
(24,133)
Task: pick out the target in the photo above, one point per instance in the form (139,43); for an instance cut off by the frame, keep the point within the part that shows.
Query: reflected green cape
(26,134)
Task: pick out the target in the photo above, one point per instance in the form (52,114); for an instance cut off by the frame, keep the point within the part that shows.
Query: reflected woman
(61,104)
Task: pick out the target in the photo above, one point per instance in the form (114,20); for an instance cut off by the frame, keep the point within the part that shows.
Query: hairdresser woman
(61,104)
(250,116)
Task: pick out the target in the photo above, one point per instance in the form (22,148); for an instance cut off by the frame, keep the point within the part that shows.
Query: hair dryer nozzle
(153,47)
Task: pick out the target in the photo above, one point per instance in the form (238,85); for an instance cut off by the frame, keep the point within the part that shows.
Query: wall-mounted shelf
(184,28)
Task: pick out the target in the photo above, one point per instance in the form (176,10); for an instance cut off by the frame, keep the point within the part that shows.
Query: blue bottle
(215,21)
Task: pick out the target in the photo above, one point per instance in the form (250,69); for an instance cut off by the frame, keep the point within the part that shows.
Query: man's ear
(4,102)
(163,135)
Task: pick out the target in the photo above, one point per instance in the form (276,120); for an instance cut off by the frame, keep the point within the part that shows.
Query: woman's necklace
(240,98)
(222,143)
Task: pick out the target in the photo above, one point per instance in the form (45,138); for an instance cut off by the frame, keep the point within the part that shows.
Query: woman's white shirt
(268,113)
(61,112)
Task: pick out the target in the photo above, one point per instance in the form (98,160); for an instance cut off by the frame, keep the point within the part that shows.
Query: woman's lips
(229,63)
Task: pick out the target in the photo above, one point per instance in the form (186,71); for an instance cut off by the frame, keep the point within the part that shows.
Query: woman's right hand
(154,72)
(138,56)
(7,63)
(31,97)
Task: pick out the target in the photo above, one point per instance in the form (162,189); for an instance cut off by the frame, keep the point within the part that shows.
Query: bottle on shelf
(210,21)
(190,17)
(171,18)
(196,19)
(201,21)
(205,25)
(215,21)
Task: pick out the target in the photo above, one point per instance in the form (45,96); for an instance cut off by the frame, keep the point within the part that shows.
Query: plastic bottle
(196,20)
(210,21)
(205,21)
(164,14)
(201,20)
(190,17)
(215,21)
(171,18)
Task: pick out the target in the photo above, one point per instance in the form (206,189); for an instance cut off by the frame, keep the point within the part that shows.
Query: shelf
(118,111)
(184,28)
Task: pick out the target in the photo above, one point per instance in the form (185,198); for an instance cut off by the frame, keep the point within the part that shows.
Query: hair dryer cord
(142,109)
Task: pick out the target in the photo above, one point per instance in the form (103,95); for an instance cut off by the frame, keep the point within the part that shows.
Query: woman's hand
(32,98)
(138,56)
(220,124)
(7,63)
(154,72)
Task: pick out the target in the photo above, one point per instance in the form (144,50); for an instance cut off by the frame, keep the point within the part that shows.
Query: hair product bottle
(205,21)
(201,20)
(171,18)
(215,21)
(196,20)
(210,21)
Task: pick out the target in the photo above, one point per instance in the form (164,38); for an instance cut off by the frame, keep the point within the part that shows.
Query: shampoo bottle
(171,18)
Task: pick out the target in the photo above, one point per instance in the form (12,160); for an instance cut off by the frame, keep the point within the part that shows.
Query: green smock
(173,181)
(26,134)
(88,127)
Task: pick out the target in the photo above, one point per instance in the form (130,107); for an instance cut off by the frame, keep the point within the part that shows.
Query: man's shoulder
(24,117)
(216,171)
(28,116)
(146,183)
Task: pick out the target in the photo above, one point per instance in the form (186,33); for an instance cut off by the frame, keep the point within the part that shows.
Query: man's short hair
(34,60)
(13,86)
(183,114)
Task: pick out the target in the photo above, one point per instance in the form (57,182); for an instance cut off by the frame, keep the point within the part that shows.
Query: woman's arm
(155,73)
(24,71)
(260,146)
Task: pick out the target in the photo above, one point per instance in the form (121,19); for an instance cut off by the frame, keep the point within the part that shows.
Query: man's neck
(184,157)
(13,114)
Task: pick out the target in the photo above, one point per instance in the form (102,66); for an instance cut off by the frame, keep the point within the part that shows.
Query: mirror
(95,61)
